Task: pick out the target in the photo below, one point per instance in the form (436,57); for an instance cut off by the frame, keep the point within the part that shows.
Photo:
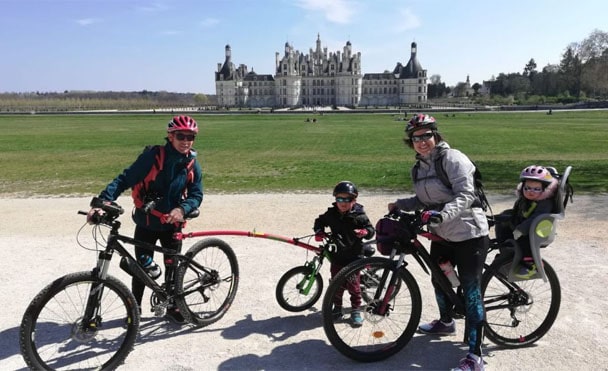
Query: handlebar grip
(193,214)
(107,206)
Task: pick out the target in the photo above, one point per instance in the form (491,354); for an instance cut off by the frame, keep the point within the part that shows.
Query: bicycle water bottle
(151,268)
(449,272)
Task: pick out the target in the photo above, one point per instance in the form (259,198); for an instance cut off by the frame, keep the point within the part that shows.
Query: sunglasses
(532,189)
(344,199)
(188,137)
(420,138)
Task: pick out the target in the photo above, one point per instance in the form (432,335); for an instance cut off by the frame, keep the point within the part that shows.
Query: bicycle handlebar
(109,207)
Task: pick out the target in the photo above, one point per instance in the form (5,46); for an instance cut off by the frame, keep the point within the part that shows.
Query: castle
(320,78)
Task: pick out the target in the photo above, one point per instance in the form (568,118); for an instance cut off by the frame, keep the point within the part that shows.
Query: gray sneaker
(437,327)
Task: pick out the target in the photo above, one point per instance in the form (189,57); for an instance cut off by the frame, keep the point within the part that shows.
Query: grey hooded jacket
(460,221)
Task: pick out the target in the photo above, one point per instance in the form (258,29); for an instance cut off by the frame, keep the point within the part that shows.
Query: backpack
(141,191)
(481,199)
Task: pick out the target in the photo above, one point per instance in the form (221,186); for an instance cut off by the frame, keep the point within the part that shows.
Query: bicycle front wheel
(290,289)
(518,313)
(205,295)
(391,313)
(54,334)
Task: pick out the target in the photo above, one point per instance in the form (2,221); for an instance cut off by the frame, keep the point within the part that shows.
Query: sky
(175,46)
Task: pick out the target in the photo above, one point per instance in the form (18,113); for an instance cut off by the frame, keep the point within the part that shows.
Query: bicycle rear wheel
(381,335)
(204,296)
(53,334)
(289,289)
(518,313)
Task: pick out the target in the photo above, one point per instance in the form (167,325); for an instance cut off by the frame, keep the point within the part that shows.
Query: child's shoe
(356,319)
(525,270)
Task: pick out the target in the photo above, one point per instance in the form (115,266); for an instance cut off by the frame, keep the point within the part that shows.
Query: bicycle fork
(384,307)
(91,319)
(305,285)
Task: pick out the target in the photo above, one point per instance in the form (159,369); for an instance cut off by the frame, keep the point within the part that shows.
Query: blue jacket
(169,185)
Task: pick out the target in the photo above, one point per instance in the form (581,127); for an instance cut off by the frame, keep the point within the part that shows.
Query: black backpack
(480,195)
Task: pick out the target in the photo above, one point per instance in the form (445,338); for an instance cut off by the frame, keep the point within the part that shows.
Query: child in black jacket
(349,225)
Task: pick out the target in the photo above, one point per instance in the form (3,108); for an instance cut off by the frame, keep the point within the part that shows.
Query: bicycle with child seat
(90,319)
(301,287)
(518,313)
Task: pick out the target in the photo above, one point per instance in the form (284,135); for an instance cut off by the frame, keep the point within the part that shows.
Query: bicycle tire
(288,292)
(50,336)
(529,309)
(379,337)
(202,298)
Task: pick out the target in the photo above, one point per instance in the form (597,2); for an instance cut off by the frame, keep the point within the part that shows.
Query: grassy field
(80,154)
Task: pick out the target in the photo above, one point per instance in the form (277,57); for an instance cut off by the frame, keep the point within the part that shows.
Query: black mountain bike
(517,313)
(90,319)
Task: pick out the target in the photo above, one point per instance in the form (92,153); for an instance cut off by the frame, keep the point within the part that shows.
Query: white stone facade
(319,78)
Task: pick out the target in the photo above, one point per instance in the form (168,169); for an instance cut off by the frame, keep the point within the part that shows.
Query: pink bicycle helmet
(535,172)
(420,121)
(182,123)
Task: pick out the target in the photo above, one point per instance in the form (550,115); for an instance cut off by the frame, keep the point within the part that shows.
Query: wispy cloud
(336,11)
(155,7)
(209,22)
(407,20)
(87,21)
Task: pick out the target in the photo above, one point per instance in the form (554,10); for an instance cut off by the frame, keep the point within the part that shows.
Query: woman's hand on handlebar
(94,215)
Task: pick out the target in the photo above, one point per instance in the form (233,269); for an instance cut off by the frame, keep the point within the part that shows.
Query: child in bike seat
(536,195)
(349,225)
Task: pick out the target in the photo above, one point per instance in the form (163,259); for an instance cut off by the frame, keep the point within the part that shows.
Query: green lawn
(80,154)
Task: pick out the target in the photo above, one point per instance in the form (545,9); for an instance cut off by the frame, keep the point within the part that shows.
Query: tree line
(104,100)
(581,74)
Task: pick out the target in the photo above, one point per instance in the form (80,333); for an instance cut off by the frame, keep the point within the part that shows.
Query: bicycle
(518,313)
(90,319)
(301,287)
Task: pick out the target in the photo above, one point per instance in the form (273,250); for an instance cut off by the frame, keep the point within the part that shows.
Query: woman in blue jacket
(167,181)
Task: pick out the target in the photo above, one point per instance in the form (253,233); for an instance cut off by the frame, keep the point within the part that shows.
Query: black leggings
(468,257)
(166,241)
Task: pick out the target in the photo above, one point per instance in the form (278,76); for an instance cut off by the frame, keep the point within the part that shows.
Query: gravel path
(38,240)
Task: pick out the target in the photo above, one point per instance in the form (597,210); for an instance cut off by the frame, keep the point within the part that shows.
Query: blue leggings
(468,257)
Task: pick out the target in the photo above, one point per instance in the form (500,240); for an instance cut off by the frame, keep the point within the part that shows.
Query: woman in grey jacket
(453,213)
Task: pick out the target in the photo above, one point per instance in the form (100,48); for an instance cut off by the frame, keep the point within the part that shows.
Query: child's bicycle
(517,313)
(90,319)
(301,287)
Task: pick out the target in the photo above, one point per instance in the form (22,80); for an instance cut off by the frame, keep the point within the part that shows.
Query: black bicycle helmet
(346,187)
(420,121)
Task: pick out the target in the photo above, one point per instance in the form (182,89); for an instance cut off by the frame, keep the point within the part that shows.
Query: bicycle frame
(423,258)
(128,264)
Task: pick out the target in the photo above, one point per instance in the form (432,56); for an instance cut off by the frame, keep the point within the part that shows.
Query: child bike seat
(543,229)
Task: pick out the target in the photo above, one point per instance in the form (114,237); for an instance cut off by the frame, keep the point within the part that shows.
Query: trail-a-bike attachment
(517,313)
(90,319)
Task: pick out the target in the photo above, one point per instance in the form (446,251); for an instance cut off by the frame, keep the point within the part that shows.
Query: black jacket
(343,226)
